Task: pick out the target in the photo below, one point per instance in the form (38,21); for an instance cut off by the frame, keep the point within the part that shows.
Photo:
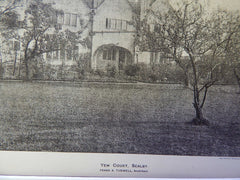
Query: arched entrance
(112,55)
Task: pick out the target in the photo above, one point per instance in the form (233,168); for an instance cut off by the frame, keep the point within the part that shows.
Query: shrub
(132,69)
(153,77)
(83,65)
(144,72)
(111,71)
(99,72)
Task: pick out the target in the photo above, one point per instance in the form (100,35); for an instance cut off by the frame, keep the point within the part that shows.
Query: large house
(113,34)
(109,25)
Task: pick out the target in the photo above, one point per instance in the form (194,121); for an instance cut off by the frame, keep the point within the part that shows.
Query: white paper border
(88,165)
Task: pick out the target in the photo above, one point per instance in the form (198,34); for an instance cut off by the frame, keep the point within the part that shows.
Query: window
(109,57)
(67,19)
(116,24)
(109,54)
(119,24)
(54,19)
(107,23)
(60,18)
(124,25)
(74,20)
(105,54)
(113,24)
(114,54)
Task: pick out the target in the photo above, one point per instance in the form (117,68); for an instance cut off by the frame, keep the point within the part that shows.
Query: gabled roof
(135,4)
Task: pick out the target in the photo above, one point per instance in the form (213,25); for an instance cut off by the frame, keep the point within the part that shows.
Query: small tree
(232,47)
(194,40)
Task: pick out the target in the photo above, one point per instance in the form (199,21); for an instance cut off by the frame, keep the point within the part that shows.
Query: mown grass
(117,118)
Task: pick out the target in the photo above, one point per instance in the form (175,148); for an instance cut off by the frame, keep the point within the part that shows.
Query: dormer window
(67,19)
(116,24)
(74,20)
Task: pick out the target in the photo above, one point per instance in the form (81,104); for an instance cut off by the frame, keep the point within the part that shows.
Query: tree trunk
(26,58)
(199,119)
(26,69)
(19,68)
(237,78)
(198,105)
(186,79)
(15,62)
(1,66)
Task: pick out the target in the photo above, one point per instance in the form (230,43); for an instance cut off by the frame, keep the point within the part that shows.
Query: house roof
(135,4)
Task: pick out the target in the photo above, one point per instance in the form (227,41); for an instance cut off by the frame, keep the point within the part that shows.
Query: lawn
(117,118)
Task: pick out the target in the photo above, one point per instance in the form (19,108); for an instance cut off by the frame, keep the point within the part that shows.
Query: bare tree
(232,47)
(194,39)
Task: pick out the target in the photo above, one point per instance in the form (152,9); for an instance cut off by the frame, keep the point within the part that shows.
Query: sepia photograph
(153,77)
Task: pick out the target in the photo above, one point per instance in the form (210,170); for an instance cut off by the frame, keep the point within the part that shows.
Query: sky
(226,4)
(230,5)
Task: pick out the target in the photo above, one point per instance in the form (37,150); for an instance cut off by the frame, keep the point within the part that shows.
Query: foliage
(193,40)
(99,72)
(111,70)
(9,20)
(232,47)
(41,34)
(83,65)
(132,69)
(38,19)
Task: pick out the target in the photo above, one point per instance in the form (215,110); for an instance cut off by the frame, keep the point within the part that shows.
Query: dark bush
(99,73)
(153,77)
(83,65)
(144,72)
(111,71)
(132,69)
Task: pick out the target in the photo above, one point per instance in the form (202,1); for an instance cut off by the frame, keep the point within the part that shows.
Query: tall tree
(39,18)
(41,34)
(8,24)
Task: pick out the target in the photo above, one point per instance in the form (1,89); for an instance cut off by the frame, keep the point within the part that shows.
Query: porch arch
(113,55)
